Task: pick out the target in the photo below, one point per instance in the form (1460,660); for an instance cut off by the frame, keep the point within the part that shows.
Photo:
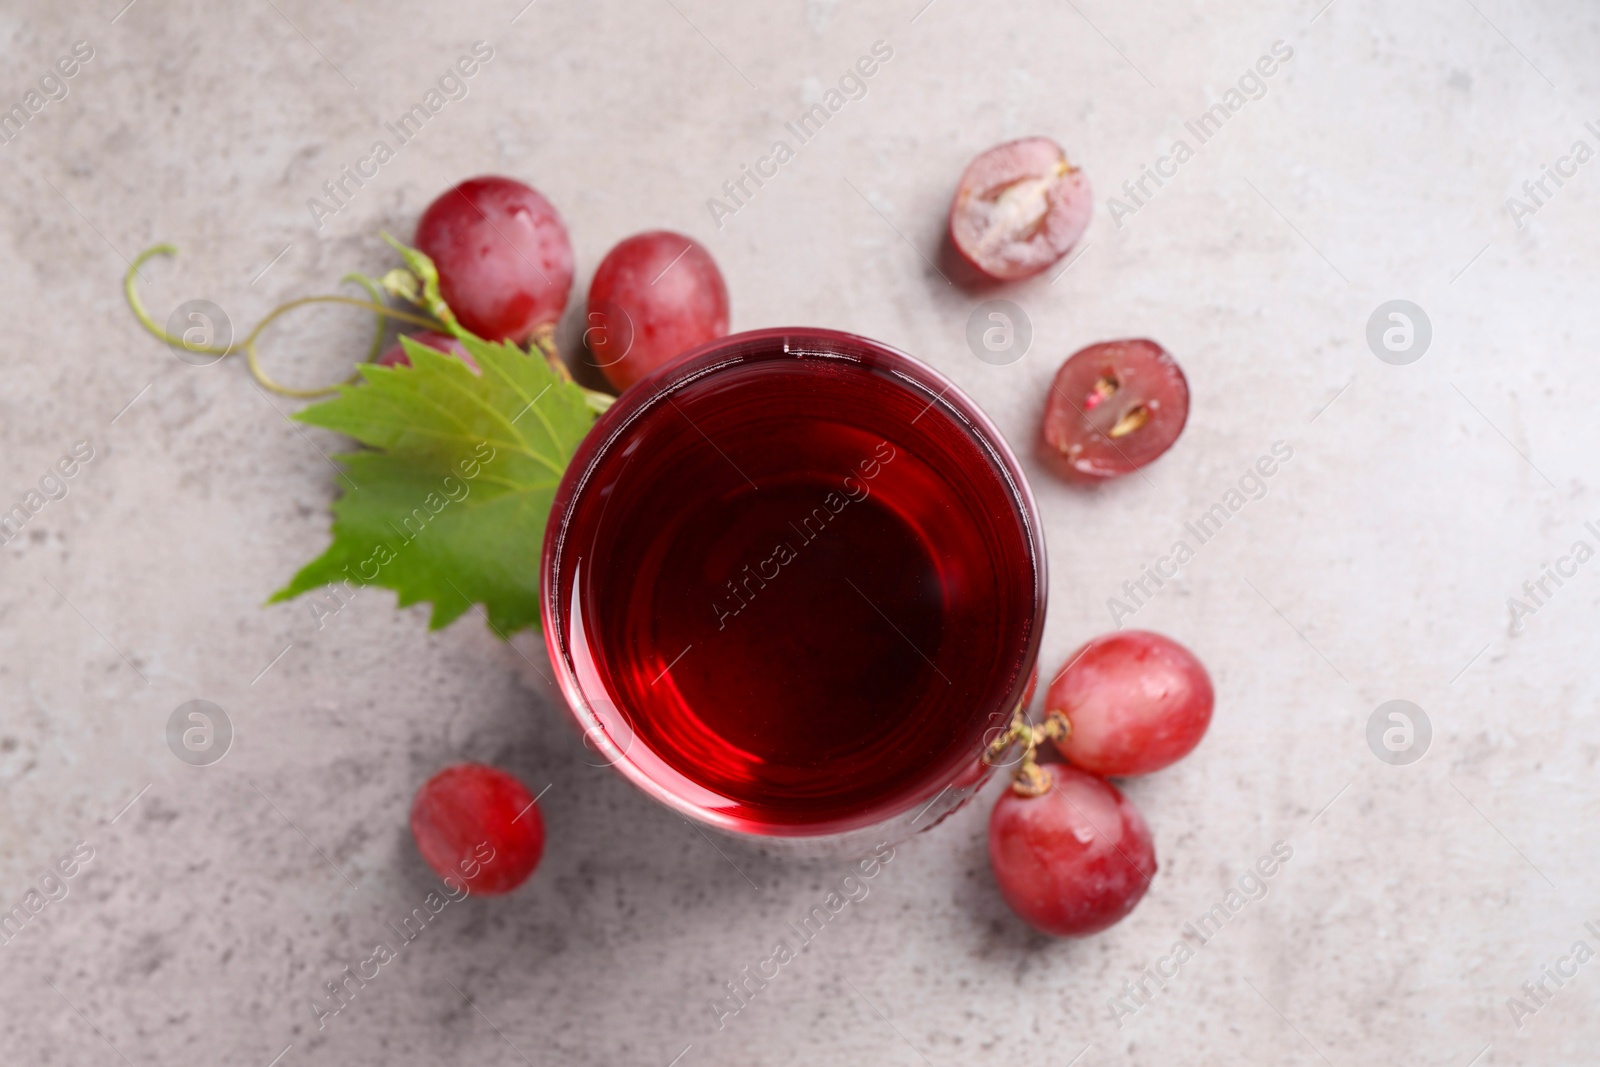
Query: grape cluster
(1070,853)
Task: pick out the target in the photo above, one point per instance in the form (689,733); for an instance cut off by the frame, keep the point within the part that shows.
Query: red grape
(395,356)
(1136,702)
(479,825)
(1113,407)
(1018,208)
(505,263)
(1071,861)
(655,296)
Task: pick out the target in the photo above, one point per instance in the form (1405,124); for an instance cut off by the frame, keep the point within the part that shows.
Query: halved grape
(1113,407)
(1018,208)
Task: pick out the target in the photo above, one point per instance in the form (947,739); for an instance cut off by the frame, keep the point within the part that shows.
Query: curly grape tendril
(377,298)
(248,345)
(400,282)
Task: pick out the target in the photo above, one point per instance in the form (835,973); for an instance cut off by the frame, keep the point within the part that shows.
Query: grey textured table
(208,907)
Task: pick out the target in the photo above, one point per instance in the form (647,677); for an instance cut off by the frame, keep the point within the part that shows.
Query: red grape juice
(792,585)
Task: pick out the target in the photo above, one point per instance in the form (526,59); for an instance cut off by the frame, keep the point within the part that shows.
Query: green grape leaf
(449,505)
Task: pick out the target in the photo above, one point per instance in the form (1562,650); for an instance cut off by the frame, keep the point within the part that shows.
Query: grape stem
(1030,779)
(543,341)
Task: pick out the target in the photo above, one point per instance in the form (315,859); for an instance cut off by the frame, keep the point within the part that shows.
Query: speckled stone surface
(1374,164)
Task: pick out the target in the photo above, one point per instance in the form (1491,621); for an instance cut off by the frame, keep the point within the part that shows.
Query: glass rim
(639,401)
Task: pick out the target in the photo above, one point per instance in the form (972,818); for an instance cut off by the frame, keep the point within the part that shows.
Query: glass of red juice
(793,583)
